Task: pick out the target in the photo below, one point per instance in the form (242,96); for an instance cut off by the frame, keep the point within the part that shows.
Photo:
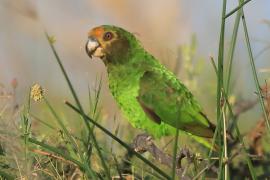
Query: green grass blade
(214,65)
(174,153)
(42,122)
(220,166)
(97,96)
(220,80)
(236,9)
(249,163)
(220,65)
(216,131)
(232,49)
(255,76)
(59,121)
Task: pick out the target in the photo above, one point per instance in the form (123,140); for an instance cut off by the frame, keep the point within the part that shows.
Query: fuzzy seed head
(37,92)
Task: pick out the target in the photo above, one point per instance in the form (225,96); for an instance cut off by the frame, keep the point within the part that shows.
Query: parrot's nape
(149,95)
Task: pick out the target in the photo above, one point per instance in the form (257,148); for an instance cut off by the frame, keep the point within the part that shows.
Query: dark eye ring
(108,36)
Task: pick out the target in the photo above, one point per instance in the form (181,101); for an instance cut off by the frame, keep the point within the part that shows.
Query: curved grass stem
(255,76)
(90,133)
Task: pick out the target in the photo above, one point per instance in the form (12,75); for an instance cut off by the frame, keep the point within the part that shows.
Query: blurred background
(163,29)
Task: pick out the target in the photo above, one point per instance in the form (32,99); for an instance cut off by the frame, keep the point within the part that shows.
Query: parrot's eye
(108,36)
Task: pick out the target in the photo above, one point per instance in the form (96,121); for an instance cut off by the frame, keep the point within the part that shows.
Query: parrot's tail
(212,127)
(229,136)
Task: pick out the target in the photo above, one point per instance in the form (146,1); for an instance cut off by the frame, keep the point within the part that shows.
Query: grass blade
(66,132)
(175,152)
(255,76)
(220,83)
(231,50)
(237,8)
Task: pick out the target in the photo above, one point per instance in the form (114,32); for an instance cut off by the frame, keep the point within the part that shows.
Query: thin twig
(203,170)
(44,153)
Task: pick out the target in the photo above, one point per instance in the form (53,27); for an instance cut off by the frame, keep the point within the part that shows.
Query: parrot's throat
(120,52)
(115,60)
(117,52)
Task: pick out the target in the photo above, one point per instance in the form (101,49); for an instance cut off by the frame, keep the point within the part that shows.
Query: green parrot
(149,95)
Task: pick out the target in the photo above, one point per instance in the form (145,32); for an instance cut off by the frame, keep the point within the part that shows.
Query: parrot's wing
(164,98)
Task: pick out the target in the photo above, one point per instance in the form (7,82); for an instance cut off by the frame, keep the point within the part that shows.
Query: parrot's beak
(93,48)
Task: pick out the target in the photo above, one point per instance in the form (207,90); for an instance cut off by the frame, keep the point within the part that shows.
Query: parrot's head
(111,44)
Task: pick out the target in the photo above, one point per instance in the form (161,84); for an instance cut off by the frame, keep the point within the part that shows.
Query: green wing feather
(165,99)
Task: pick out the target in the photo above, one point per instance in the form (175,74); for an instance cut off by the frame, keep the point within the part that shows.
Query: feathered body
(125,89)
(150,96)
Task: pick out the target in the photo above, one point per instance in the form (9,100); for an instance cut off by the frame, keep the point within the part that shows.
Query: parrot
(149,95)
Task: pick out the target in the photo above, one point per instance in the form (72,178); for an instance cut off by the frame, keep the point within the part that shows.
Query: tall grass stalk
(238,135)
(216,131)
(240,138)
(237,8)
(26,128)
(240,13)
(220,83)
(91,134)
(94,112)
(255,76)
(231,50)
(229,72)
(220,70)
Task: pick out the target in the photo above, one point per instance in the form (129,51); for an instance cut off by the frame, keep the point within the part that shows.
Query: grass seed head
(37,92)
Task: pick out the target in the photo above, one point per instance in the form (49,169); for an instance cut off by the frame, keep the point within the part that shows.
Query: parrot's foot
(184,153)
(142,142)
